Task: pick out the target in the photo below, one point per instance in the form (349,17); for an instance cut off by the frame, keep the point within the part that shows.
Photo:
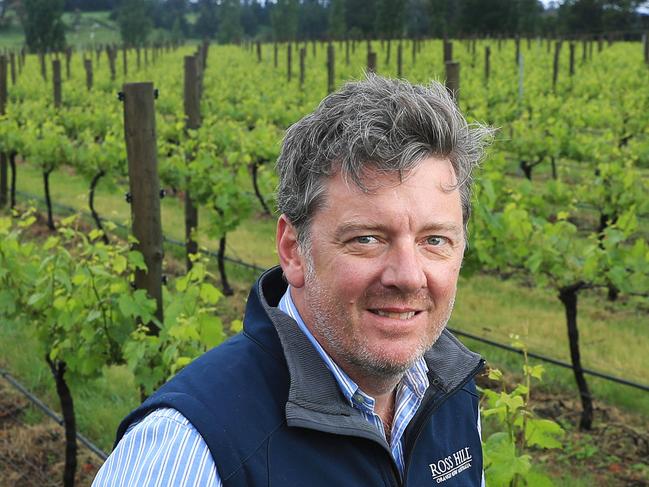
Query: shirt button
(358,398)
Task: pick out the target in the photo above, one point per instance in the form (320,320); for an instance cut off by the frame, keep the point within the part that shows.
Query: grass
(98,404)
(251,243)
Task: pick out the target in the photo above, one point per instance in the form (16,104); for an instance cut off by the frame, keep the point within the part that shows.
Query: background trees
(283,20)
(42,23)
(134,19)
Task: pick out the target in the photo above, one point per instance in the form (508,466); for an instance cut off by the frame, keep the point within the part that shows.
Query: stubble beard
(344,341)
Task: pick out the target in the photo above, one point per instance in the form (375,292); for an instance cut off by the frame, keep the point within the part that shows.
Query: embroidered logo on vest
(451,465)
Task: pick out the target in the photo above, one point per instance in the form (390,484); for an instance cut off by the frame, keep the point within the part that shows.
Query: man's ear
(290,258)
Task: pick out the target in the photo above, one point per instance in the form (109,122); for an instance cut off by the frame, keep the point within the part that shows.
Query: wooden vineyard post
(518,50)
(453,79)
(204,50)
(389,49)
(68,58)
(111,61)
(645,45)
(473,54)
(346,52)
(584,48)
(41,57)
(146,56)
(140,136)
(487,61)
(56,82)
(125,60)
(289,62)
(600,44)
(521,74)
(572,59)
(302,56)
(448,51)
(87,64)
(12,62)
(138,57)
(275,55)
(258,51)
(555,65)
(399,61)
(371,62)
(330,68)
(414,51)
(192,122)
(3,155)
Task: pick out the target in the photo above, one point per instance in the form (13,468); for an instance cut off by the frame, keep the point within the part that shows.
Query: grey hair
(384,124)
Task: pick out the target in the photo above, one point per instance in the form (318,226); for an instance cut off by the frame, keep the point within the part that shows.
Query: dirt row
(32,455)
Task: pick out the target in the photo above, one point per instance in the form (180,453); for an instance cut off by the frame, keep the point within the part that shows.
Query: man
(344,374)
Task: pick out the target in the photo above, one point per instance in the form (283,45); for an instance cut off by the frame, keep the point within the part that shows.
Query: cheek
(443,280)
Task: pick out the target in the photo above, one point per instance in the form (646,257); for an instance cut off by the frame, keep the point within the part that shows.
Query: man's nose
(404,268)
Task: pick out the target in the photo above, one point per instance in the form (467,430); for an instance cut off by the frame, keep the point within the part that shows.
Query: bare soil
(32,455)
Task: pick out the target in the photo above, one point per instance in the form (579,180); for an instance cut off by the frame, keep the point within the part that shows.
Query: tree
(90,5)
(230,29)
(170,15)
(389,18)
(581,16)
(313,19)
(337,23)
(284,18)
(207,22)
(43,25)
(249,20)
(417,18)
(443,17)
(487,16)
(134,20)
(360,16)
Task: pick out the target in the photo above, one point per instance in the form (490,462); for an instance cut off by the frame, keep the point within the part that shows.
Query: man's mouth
(395,315)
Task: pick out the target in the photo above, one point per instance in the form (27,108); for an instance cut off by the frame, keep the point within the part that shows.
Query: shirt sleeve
(164,449)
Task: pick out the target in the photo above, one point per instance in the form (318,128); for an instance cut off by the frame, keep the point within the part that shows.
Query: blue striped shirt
(165,449)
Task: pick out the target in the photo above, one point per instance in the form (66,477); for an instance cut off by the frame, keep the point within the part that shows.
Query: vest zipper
(430,410)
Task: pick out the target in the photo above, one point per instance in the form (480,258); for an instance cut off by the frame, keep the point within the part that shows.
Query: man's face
(377,286)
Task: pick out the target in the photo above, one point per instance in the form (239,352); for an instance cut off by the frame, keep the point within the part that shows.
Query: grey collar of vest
(315,400)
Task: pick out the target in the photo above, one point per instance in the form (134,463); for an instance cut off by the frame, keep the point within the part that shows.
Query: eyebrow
(352,227)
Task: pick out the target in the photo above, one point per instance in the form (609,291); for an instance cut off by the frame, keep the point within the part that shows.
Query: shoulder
(162,448)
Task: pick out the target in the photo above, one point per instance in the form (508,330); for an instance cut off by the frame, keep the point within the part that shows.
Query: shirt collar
(415,378)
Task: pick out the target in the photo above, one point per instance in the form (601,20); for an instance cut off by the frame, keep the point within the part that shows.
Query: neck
(382,389)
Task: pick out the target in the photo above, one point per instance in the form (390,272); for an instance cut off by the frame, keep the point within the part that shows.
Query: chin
(387,363)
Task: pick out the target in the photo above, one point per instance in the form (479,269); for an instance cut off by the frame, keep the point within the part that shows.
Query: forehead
(427,191)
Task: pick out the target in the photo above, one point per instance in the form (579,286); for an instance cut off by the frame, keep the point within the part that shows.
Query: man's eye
(365,239)
(436,240)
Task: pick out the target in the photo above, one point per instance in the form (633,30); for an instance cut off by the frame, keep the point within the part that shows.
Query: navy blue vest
(272,414)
